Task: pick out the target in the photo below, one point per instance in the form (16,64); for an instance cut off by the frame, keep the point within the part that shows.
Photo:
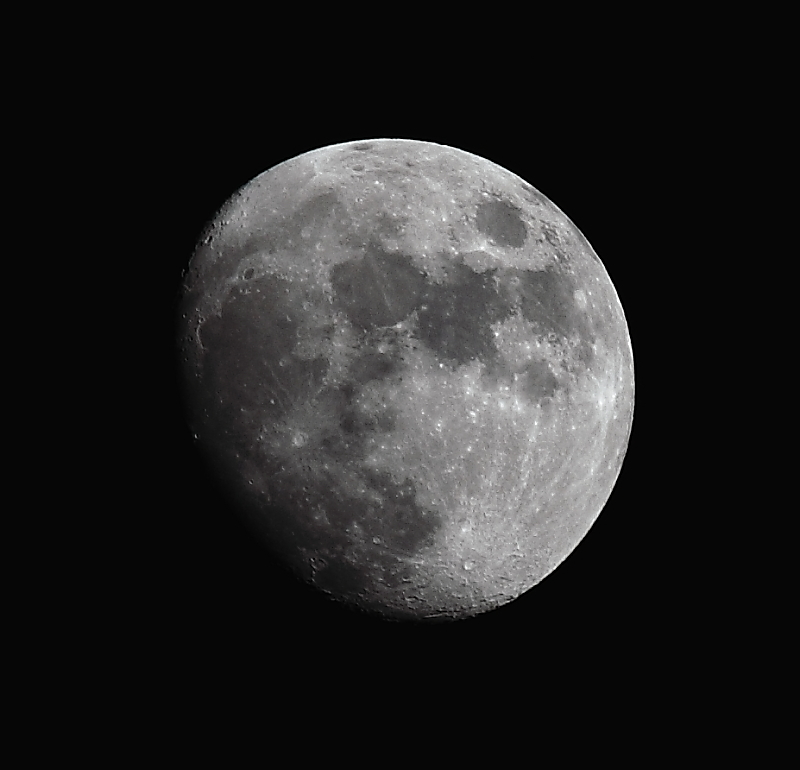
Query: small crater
(248,274)
(363,146)
(299,439)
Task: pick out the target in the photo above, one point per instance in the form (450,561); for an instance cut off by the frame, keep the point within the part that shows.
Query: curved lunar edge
(410,370)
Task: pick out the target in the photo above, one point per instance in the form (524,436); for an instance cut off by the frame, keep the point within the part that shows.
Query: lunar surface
(410,372)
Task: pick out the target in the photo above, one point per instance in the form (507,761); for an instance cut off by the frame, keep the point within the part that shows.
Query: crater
(380,289)
(499,221)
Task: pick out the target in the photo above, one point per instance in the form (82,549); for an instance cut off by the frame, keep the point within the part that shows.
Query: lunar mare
(410,370)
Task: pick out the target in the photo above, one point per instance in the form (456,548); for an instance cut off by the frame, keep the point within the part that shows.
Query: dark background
(161,584)
(153,582)
(210,593)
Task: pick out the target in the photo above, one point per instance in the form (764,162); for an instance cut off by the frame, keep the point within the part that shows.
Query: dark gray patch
(386,420)
(248,367)
(374,366)
(392,576)
(363,146)
(360,424)
(501,223)
(584,354)
(353,425)
(546,299)
(358,167)
(538,381)
(311,215)
(332,401)
(497,374)
(345,442)
(397,521)
(455,317)
(389,226)
(248,274)
(342,446)
(381,289)
(339,577)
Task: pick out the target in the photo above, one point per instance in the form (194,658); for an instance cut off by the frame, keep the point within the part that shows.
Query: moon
(410,373)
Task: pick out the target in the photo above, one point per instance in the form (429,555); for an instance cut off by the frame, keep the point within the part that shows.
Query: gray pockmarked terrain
(410,370)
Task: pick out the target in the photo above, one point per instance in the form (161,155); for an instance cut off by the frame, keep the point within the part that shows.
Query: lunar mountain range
(410,372)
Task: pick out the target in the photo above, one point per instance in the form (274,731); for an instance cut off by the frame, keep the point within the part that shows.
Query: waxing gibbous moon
(410,372)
